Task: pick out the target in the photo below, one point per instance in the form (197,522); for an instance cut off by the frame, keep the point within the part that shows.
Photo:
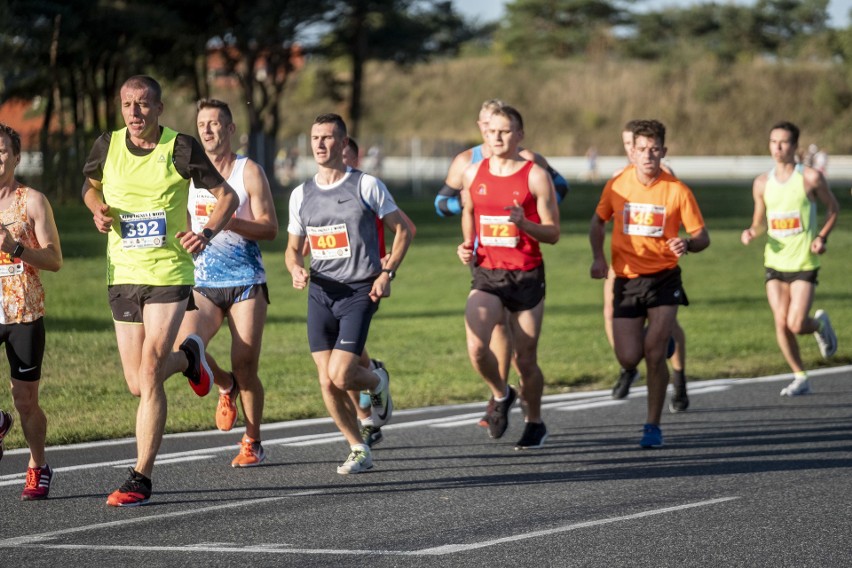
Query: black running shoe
(535,433)
(625,379)
(498,419)
(679,401)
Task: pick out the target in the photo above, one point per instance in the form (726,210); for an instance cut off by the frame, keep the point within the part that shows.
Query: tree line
(72,55)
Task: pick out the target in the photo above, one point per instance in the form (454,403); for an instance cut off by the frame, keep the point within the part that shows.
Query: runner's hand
(102,220)
(465,252)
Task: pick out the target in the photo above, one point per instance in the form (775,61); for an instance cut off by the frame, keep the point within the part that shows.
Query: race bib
(644,219)
(329,242)
(784,224)
(143,230)
(10,266)
(204,204)
(498,231)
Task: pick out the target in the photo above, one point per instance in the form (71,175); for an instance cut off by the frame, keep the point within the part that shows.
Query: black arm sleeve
(192,163)
(94,166)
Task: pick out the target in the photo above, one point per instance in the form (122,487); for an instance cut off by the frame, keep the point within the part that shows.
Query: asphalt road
(747,478)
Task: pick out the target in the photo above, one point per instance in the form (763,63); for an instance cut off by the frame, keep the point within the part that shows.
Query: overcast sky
(489,10)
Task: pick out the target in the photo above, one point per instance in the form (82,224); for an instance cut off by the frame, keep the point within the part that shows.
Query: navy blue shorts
(339,315)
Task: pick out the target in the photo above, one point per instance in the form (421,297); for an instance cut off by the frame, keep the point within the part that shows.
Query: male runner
(785,208)
(29,242)
(511,208)
(230,280)
(137,188)
(449,200)
(336,211)
(648,207)
(676,345)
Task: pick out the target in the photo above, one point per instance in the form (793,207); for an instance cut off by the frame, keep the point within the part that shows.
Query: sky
(490,10)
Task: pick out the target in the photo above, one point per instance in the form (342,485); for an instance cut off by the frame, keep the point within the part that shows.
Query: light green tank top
(791,224)
(147,199)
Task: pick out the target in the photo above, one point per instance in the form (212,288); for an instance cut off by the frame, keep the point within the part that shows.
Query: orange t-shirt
(644,218)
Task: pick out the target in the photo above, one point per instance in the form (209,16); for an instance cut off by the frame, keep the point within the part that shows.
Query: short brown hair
(14,137)
(511,113)
(650,129)
(332,118)
(215,103)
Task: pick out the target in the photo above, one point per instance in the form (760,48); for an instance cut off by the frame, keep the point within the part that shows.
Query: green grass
(419,331)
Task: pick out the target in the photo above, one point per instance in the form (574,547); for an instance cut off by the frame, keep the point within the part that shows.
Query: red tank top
(501,245)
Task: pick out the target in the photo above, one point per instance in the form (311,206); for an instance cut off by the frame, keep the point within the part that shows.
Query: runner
(230,280)
(508,272)
(785,208)
(676,345)
(29,242)
(336,211)
(647,206)
(448,202)
(137,188)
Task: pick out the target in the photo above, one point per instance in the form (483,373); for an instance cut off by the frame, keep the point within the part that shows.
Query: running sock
(368,421)
(678,377)
(146,481)
(800,375)
(504,397)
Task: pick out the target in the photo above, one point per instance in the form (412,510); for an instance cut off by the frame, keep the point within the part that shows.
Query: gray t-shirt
(339,221)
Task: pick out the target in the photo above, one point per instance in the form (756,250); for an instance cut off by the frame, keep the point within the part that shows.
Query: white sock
(368,421)
(504,397)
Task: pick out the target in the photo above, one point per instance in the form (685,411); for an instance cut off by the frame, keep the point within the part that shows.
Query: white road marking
(33,540)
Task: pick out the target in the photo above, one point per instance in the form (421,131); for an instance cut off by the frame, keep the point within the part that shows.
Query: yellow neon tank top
(791,224)
(147,199)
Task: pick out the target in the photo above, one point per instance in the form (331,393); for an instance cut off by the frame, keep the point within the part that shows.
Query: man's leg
(526,329)
(246,320)
(660,323)
(339,372)
(147,358)
(204,322)
(483,312)
(32,417)
(778,294)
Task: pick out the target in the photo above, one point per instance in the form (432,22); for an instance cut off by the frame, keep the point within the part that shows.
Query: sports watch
(391,273)
(207,233)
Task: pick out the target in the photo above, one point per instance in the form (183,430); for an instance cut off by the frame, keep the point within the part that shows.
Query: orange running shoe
(226,411)
(251,453)
(38,483)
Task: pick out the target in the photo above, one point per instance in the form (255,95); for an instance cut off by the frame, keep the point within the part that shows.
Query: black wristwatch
(207,233)
(19,250)
(391,273)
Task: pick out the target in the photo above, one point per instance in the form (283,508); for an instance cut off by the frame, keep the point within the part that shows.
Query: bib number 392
(143,230)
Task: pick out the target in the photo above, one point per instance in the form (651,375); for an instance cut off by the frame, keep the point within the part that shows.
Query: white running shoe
(360,460)
(797,387)
(825,336)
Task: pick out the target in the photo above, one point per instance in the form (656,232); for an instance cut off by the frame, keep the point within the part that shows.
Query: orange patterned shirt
(23,295)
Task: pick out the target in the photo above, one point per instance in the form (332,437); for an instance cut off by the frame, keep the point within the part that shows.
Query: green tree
(559,28)
(403,31)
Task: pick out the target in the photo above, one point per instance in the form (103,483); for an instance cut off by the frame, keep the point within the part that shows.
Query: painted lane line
(36,538)
(455,548)
(287,549)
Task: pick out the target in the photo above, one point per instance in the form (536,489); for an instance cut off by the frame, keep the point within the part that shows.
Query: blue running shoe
(652,437)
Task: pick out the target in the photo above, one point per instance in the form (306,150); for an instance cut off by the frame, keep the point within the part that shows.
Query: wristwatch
(207,233)
(391,273)
(19,250)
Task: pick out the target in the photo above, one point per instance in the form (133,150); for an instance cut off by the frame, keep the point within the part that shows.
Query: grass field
(419,331)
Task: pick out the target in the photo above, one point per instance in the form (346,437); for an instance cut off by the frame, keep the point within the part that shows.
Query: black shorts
(518,290)
(128,300)
(633,296)
(788,277)
(339,315)
(224,298)
(24,348)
